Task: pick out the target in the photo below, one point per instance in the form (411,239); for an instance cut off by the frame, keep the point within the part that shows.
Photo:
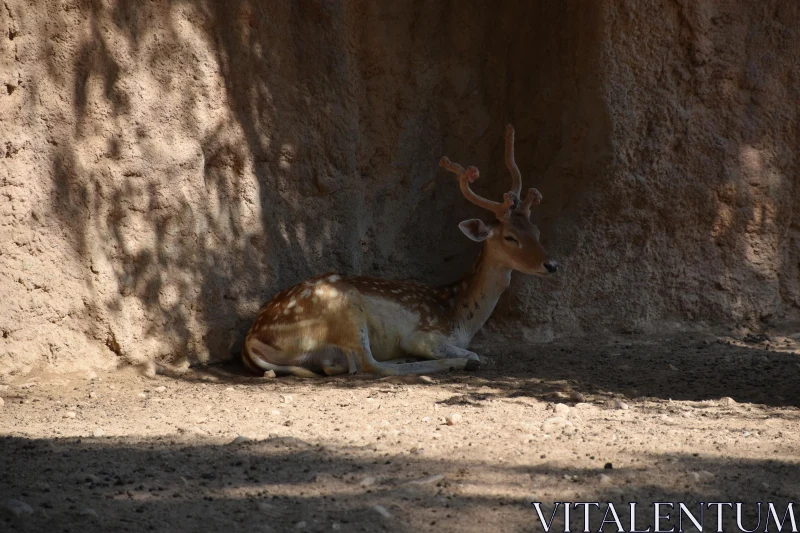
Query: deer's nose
(551,266)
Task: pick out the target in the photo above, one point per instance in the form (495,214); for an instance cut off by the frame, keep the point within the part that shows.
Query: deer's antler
(465,177)
(516,176)
(511,199)
(534,197)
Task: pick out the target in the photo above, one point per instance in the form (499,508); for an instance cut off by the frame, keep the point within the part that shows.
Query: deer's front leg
(435,346)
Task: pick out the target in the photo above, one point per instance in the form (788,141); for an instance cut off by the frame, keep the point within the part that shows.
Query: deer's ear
(475,229)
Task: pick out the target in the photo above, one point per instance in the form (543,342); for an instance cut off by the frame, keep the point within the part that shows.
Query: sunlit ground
(687,419)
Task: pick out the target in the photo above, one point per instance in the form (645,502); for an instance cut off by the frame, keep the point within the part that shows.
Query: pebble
(577,397)
(275,412)
(452,419)
(381,510)
(91,375)
(162,388)
(555,422)
(673,367)
(269,374)
(88,511)
(426,379)
(18,507)
(727,401)
(427,480)
(562,409)
(286,398)
(93,395)
(70,414)
(141,395)
(604,479)
(694,476)
(149,369)
(368,481)
(98,432)
(616,404)
(241,439)
(300,525)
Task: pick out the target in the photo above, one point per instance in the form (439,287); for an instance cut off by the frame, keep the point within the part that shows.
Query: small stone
(427,480)
(18,507)
(275,412)
(604,479)
(286,398)
(141,395)
(381,510)
(727,401)
(162,388)
(91,375)
(577,397)
(558,395)
(555,422)
(70,414)
(562,409)
(241,439)
(88,511)
(93,395)
(270,374)
(98,432)
(426,379)
(336,526)
(616,404)
(673,367)
(452,419)
(148,369)
(368,481)
(608,466)
(694,476)
(300,525)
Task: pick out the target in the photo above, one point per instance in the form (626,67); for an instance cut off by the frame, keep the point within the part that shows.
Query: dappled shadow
(667,368)
(632,368)
(216,152)
(271,485)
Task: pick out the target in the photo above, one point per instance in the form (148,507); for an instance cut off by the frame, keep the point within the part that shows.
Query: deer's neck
(478,292)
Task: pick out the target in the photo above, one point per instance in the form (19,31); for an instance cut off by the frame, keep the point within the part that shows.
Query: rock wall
(166,166)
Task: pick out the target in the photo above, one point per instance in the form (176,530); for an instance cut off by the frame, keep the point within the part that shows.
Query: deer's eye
(510,238)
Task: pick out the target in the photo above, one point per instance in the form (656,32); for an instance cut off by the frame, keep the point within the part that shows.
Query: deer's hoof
(472,365)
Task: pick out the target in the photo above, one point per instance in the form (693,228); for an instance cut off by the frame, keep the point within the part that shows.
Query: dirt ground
(690,418)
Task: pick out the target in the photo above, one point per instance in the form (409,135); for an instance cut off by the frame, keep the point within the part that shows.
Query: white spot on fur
(306,293)
(299,309)
(291,303)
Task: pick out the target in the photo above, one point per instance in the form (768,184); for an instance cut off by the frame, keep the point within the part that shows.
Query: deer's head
(512,240)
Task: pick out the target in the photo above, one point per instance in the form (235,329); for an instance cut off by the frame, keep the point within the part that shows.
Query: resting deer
(332,325)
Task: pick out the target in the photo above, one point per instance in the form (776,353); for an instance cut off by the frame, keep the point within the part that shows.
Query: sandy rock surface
(165,168)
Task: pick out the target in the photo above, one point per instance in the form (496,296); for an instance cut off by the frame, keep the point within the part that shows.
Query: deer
(332,324)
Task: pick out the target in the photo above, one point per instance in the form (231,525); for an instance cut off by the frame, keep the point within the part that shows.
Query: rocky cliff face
(167,166)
